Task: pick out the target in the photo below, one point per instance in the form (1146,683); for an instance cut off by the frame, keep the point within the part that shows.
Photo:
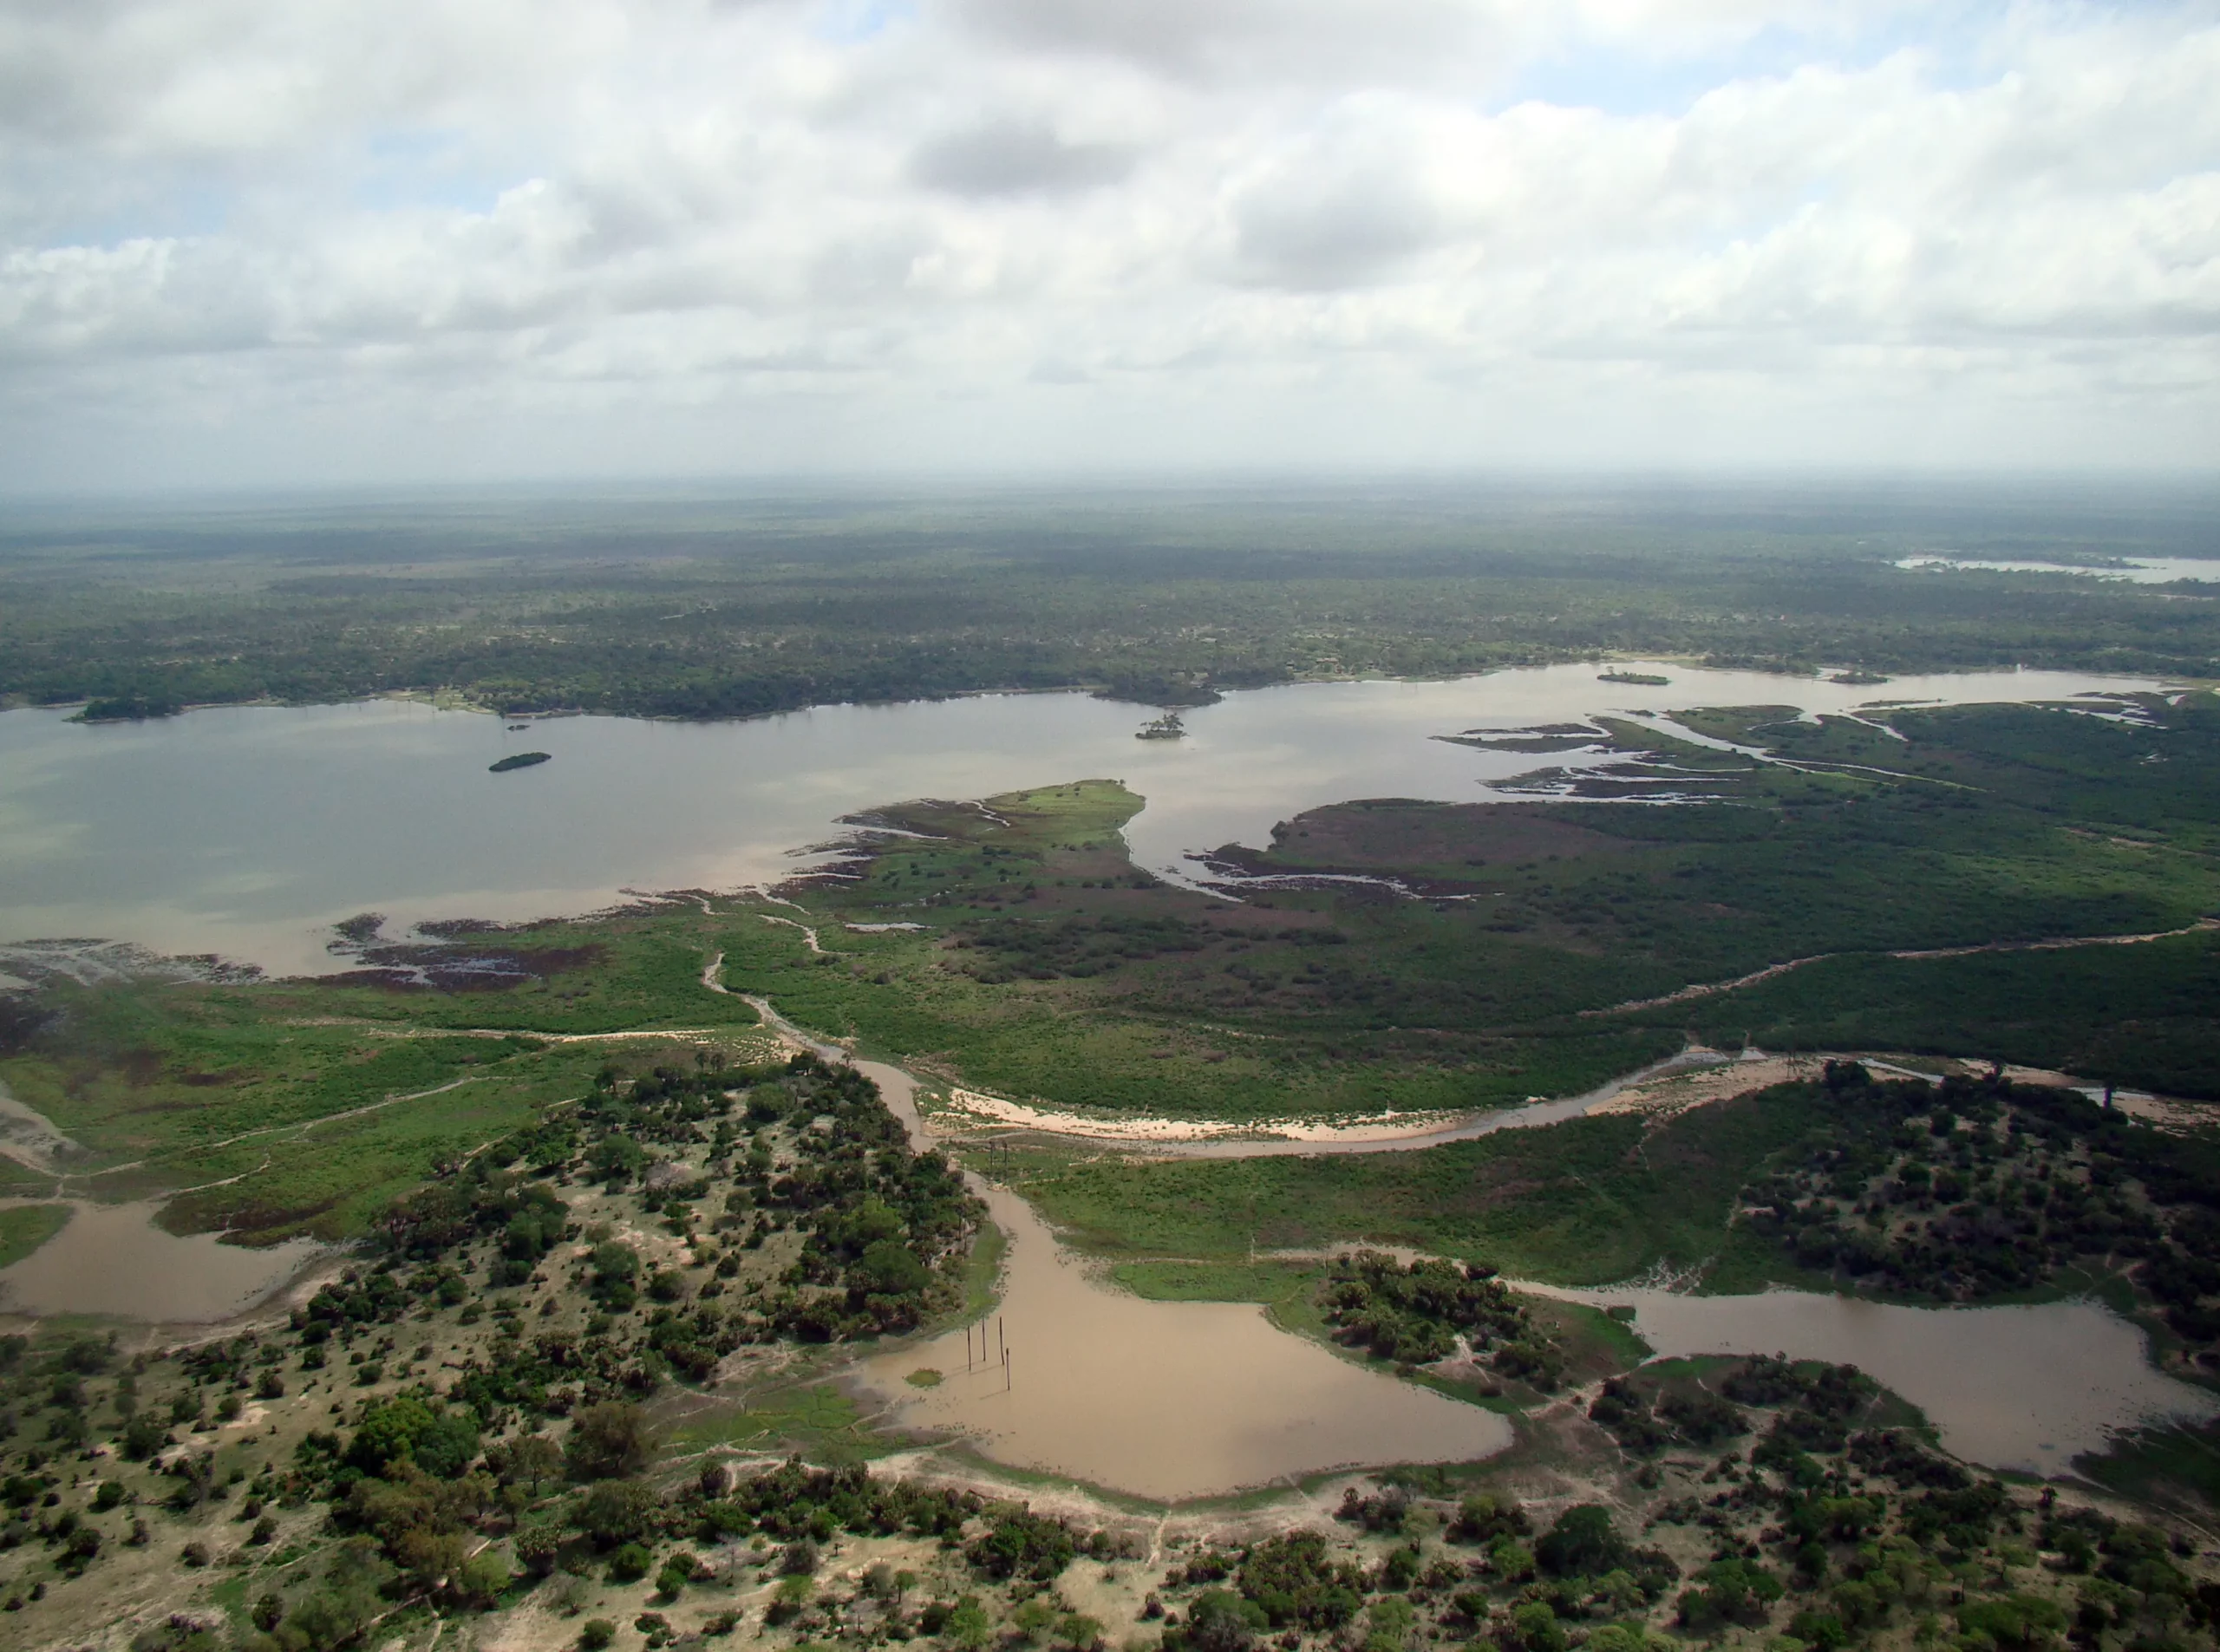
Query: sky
(297,242)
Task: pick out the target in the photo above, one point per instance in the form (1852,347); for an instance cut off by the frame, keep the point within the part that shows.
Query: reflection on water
(2016,1388)
(111,1260)
(248,830)
(1164,1400)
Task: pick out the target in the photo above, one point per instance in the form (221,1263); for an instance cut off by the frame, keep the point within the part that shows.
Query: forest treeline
(751,612)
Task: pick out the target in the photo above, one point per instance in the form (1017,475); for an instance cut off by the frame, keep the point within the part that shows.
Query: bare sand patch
(1381,1127)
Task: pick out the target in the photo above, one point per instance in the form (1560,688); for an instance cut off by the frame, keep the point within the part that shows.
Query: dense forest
(665,607)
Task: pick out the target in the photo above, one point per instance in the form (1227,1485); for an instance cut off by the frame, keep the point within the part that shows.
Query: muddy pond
(111,1259)
(1166,1401)
(2025,1387)
(1181,1400)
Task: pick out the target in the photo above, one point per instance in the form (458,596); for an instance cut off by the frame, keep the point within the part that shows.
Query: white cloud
(254,240)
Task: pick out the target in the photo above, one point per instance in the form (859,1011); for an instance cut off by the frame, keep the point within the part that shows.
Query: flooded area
(247,830)
(2025,1387)
(111,1259)
(1167,1401)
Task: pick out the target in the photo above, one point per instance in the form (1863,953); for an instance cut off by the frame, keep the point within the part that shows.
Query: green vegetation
(1587,1202)
(24,1228)
(519,760)
(607,1237)
(1419,1312)
(681,607)
(1046,966)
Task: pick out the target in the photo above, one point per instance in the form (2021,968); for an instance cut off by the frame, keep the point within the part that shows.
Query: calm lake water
(248,831)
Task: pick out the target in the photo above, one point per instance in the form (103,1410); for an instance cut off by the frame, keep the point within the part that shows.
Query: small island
(1647,679)
(522,759)
(1168,726)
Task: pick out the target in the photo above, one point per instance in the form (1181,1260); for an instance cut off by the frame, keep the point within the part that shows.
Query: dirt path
(2058,944)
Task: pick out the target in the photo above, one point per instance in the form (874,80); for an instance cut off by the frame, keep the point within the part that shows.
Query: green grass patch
(24,1228)
(1270,1283)
(1588,1202)
(811,1417)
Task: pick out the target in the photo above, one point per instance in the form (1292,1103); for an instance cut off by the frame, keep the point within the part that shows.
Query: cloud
(1240,228)
(1014,157)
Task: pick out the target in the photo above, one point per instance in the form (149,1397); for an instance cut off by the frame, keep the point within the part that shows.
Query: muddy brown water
(2025,1387)
(1167,1401)
(111,1259)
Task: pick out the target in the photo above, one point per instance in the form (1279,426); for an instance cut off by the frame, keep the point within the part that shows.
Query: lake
(249,830)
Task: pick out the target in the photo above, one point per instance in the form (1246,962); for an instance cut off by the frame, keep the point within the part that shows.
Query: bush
(596,1633)
(630,1563)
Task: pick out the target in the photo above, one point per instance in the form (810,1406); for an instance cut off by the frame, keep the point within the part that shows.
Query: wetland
(1535,1160)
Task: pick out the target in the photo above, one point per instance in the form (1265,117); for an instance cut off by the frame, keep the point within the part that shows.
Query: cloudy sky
(274,241)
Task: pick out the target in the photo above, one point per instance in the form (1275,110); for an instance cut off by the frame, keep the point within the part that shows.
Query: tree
(539,1546)
(614,1512)
(142,1436)
(529,1461)
(481,1579)
(608,1441)
(1534,1627)
(1220,1621)
(1583,1544)
(890,1266)
(442,1443)
(967,1625)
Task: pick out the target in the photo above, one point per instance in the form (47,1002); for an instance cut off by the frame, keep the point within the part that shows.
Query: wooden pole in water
(1005,1370)
(1001,1341)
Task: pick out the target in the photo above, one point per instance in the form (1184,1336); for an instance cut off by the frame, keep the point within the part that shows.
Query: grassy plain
(1584,1203)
